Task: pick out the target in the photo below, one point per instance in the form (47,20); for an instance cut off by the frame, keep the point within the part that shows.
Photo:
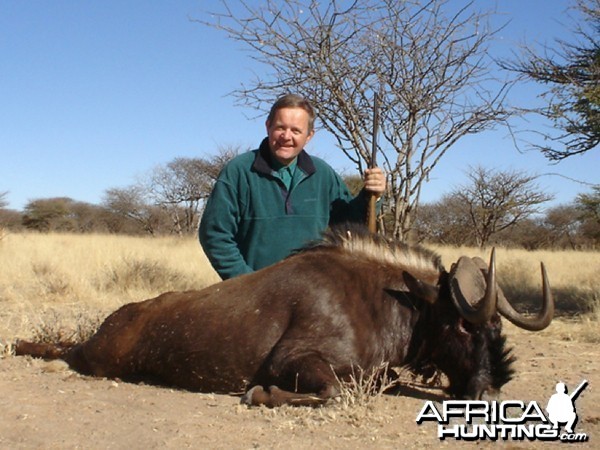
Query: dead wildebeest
(291,331)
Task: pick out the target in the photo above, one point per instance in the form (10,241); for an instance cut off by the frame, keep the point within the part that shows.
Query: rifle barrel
(372,210)
(375,131)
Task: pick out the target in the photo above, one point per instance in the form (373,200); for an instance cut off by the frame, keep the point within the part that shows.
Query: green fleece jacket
(251,220)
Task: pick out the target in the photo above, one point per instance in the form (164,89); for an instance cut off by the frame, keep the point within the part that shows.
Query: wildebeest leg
(274,396)
(311,378)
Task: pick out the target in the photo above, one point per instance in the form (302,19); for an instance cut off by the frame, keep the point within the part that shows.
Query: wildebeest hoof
(247,398)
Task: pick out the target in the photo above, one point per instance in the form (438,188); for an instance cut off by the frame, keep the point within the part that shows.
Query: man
(274,200)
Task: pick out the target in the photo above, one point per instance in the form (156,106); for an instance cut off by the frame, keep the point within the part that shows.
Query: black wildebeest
(290,331)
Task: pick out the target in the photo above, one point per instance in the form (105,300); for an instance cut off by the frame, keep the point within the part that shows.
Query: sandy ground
(45,405)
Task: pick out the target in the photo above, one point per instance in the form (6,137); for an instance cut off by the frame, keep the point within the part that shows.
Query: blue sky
(95,94)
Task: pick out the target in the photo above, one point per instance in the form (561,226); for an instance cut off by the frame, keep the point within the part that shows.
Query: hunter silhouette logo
(561,406)
(509,419)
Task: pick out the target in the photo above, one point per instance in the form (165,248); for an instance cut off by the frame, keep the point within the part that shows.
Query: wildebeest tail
(41,349)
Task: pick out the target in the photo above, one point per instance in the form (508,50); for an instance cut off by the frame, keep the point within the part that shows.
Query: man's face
(288,133)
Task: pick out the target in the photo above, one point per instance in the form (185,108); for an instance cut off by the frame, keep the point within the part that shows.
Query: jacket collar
(263,162)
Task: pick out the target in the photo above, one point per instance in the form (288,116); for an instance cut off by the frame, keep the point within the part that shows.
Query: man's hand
(375,181)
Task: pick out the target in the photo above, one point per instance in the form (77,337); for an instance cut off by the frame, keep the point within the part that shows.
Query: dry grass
(55,328)
(573,277)
(357,404)
(99,269)
(52,283)
(363,386)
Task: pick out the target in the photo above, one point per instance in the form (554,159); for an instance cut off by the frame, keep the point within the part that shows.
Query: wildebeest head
(461,330)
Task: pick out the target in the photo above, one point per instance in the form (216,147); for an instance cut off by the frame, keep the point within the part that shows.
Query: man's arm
(218,229)
(345,208)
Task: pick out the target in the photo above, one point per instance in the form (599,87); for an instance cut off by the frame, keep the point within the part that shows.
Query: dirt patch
(45,405)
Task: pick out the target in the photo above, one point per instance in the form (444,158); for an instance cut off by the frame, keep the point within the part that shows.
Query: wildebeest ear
(424,291)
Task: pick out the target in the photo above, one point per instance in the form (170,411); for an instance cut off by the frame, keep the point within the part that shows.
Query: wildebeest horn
(474,296)
(537,323)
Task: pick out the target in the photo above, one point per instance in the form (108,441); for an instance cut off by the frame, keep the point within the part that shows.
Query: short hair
(293,101)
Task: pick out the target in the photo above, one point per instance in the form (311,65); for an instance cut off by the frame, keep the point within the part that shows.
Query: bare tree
(427,60)
(182,185)
(179,187)
(132,204)
(497,200)
(168,200)
(212,166)
(444,222)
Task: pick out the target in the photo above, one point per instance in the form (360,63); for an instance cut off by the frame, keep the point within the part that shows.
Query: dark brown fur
(325,311)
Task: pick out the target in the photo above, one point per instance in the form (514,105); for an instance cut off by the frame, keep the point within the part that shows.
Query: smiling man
(274,200)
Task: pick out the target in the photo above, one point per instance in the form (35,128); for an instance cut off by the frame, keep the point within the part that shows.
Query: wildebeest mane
(357,240)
